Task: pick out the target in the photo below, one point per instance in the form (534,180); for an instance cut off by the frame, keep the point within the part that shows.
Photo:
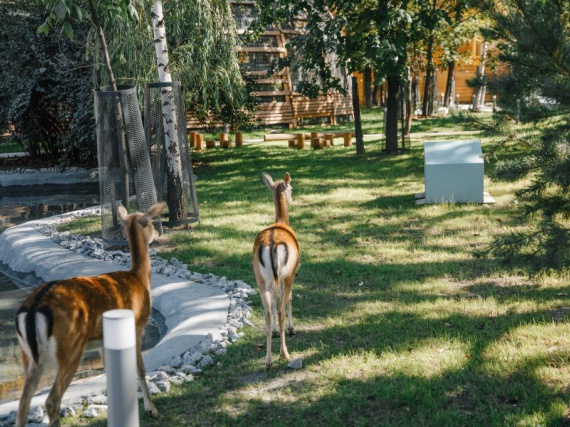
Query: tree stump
(347,139)
(211,143)
(192,137)
(317,143)
(329,137)
(292,143)
(239,139)
(199,141)
(301,141)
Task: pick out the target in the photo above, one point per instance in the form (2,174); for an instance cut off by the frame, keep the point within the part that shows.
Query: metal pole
(119,343)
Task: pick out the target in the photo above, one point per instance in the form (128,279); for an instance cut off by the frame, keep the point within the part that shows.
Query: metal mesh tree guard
(182,202)
(125,175)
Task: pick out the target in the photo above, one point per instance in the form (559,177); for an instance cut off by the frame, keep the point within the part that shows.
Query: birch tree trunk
(175,184)
(450,85)
(479,99)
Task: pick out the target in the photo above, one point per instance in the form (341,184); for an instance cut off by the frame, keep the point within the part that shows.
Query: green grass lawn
(398,322)
(9,147)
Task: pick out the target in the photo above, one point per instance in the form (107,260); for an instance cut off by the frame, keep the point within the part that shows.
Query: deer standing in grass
(59,319)
(275,263)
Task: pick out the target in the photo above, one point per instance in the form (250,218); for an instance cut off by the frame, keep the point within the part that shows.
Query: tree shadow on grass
(381,381)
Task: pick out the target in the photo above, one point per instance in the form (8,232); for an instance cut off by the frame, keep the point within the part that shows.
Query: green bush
(45,88)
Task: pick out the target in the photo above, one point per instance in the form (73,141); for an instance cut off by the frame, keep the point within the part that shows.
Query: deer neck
(140,260)
(281,210)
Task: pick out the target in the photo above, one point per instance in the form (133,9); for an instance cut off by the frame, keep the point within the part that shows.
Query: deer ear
(287,178)
(268,181)
(123,214)
(155,210)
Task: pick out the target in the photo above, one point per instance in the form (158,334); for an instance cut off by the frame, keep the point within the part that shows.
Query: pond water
(19,205)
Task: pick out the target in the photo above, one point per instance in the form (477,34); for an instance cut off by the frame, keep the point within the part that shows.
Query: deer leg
(268,300)
(141,372)
(66,367)
(33,374)
(274,313)
(288,298)
(281,314)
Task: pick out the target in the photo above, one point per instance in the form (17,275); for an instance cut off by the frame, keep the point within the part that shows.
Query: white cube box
(453,172)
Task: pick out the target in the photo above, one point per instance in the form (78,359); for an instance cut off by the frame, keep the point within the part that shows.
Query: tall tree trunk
(175,184)
(376,94)
(415,92)
(368,87)
(450,85)
(408,103)
(123,162)
(392,115)
(357,120)
(483,90)
(480,91)
(104,48)
(433,100)
(428,89)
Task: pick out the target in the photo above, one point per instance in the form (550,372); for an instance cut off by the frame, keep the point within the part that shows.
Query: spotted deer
(275,263)
(58,320)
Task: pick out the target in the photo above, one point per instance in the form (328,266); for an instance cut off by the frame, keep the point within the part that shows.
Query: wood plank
(271,93)
(262,49)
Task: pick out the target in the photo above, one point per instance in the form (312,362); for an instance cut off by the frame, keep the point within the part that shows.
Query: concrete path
(191,310)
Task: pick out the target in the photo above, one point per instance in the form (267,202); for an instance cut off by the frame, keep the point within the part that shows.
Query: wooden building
(463,72)
(280,103)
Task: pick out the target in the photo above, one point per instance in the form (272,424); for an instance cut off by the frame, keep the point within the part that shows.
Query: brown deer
(275,263)
(59,319)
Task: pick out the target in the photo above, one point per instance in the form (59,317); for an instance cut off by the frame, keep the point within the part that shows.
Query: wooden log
(347,139)
(288,136)
(226,143)
(292,143)
(317,143)
(199,141)
(223,137)
(192,137)
(329,137)
(239,139)
(301,141)
(211,143)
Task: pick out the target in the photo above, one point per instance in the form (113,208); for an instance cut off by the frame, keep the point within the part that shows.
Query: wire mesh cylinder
(125,175)
(167,137)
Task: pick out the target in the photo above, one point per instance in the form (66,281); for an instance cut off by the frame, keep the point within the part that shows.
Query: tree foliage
(534,36)
(46,105)
(203,55)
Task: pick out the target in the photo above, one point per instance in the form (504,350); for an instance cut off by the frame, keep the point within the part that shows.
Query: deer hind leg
(281,314)
(275,331)
(141,372)
(67,363)
(288,298)
(268,300)
(33,373)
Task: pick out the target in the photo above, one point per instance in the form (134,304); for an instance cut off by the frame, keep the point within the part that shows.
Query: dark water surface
(19,205)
